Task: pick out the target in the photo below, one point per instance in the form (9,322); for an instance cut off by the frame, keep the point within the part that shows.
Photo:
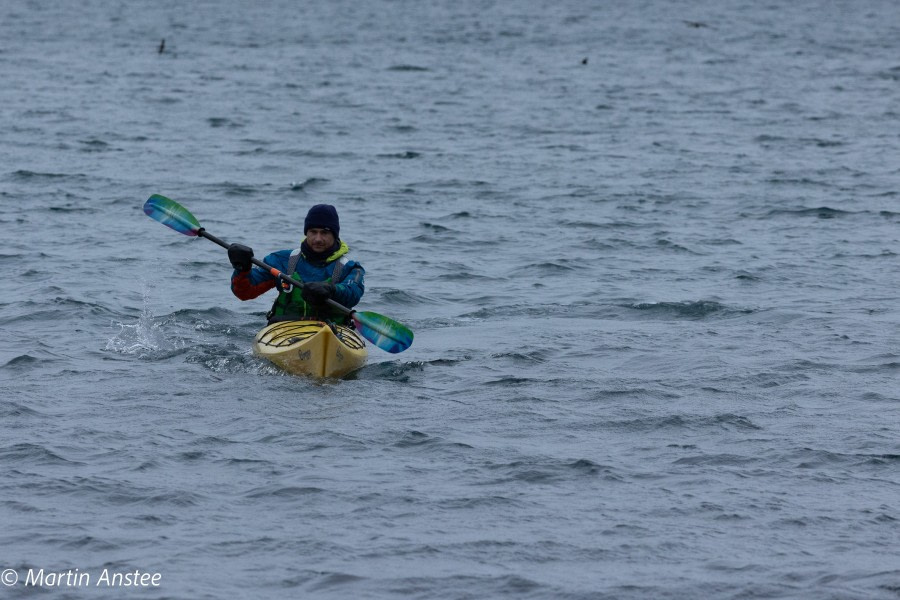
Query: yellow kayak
(311,348)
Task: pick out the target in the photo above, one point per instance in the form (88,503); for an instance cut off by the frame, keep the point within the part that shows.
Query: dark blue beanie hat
(323,216)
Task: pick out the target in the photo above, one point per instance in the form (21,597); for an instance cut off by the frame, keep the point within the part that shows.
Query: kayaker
(320,262)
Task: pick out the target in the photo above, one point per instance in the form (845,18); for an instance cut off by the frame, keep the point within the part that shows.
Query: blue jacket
(348,290)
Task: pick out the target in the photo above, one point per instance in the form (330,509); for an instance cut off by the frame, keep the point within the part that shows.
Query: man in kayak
(320,263)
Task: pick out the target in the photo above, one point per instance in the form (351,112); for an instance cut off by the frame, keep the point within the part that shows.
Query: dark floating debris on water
(408,68)
(402,155)
(162,46)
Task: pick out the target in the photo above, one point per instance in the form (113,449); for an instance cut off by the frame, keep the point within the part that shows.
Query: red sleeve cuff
(245,289)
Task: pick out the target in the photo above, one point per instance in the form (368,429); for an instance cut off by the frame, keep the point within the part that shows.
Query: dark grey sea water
(649,251)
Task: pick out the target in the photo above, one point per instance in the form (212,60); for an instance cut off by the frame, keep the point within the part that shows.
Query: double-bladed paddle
(387,334)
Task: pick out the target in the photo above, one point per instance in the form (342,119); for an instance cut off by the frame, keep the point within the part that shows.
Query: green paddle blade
(171,214)
(387,334)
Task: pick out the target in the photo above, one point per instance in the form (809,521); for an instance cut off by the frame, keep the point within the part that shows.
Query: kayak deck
(311,348)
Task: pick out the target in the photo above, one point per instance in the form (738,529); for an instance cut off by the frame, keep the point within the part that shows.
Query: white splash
(146,337)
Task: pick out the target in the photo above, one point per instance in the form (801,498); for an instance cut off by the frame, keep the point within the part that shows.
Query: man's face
(319,240)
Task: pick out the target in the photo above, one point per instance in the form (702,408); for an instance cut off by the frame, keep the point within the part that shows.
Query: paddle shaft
(275,272)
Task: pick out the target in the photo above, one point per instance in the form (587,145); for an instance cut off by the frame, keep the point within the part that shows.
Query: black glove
(317,292)
(240,256)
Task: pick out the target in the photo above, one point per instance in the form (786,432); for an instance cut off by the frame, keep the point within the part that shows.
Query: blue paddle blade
(387,334)
(171,214)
